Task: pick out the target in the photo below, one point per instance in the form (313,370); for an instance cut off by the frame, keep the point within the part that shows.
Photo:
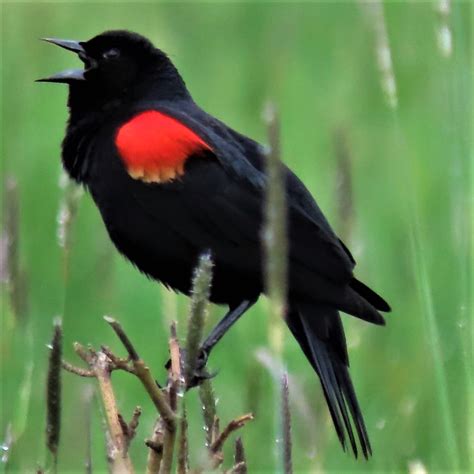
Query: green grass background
(412,177)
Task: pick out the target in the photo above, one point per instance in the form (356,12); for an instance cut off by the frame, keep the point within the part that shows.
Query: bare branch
(133,425)
(155,445)
(141,370)
(175,379)
(156,395)
(129,429)
(77,370)
(173,390)
(161,445)
(117,453)
(215,430)
(175,352)
(85,354)
(123,337)
(117,362)
(234,425)
(123,425)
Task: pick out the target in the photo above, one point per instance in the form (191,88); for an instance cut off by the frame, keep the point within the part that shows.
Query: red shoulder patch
(154,147)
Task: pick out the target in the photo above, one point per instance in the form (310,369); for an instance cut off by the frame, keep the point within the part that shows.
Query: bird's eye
(111,53)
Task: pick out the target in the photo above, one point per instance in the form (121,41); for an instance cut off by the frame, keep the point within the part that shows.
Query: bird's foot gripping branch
(168,444)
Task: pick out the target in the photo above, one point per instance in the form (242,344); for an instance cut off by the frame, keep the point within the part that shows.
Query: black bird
(172,181)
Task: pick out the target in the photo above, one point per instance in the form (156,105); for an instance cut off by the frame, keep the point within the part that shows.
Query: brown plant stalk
(100,365)
(161,453)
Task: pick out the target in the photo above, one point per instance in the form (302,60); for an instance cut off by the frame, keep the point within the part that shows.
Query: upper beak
(70,45)
(69,75)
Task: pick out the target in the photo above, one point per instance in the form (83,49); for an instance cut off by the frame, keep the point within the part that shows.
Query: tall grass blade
(286,425)
(275,232)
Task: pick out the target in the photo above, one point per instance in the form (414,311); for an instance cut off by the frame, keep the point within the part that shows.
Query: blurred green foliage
(411,172)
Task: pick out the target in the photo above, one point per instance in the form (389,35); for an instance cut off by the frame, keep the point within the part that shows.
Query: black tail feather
(331,388)
(373,298)
(318,329)
(356,413)
(358,306)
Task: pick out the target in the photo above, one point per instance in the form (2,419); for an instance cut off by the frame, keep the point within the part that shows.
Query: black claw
(202,359)
(199,377)
(200,373)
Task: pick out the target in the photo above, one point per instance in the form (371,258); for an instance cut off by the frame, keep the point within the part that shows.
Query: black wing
(221,206)
(243,160)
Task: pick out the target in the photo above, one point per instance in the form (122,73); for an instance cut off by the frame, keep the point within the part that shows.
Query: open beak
(70,45)
(70,75)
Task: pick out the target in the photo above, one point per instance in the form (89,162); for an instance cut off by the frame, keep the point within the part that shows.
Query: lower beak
(66,77)
(70,75)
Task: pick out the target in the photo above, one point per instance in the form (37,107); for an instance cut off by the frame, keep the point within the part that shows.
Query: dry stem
(155,444)
(174,388)
(100,366)
(215,449)
(162,444)
(141,370)
(118,455)
(234,425)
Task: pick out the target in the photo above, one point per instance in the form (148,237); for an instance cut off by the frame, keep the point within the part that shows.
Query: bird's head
(118,66)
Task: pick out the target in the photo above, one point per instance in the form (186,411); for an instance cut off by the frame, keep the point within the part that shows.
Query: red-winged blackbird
(171,182)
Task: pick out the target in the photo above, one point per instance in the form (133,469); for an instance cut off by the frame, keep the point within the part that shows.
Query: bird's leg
(234,313)
(225,324)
